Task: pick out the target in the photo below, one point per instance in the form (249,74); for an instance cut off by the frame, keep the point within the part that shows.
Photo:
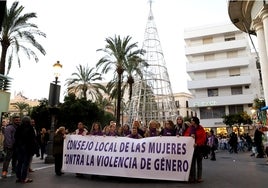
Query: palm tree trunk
(130,91)
(85,94)
(3,59)
(118,99)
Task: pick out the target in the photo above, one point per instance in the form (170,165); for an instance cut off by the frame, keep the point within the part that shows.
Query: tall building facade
(223,72)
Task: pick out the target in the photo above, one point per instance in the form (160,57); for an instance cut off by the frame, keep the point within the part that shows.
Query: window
(229,37)
(212,112)
(209,57)
(234,109)
(177,103)
(187,104)
(236,90)
(211,74)
(213,92)
(234,72)
(232,54)
(207,40)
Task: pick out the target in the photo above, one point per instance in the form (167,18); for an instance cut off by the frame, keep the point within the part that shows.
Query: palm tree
(134,66)
(119,53)
(105,103)
(18,34)
(22,107)
(83,80)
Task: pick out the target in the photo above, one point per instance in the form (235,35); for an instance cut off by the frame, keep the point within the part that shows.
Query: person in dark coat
(168,129)
(43,140)
(9,141)
(58,149)
(233,141)
(134,133)
(24,147)
(212,145)
(258,142)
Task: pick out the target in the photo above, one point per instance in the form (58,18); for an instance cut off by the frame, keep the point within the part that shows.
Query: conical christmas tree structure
(152,95)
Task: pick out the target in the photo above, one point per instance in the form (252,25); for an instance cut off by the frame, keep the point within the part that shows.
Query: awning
(264,108)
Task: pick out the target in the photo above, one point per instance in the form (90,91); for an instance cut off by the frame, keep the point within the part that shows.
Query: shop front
(226,131)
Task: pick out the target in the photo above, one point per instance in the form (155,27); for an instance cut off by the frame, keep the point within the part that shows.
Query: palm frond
(19,34)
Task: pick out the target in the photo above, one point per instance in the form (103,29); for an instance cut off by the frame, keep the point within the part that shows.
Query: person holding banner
(81,130)
(168,129)
(153,129)
(134,133)
(190,130)
(96,129)
(112,130)
(137,124)
(120,131)
(58,141)
(199,133)
(106,130)
(126,130)
(180,126)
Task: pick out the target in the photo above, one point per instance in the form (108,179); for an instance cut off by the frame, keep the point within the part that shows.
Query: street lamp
(57,70)
(53,101)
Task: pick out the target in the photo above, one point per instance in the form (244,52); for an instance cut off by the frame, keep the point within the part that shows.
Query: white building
(224,77)
(182,104)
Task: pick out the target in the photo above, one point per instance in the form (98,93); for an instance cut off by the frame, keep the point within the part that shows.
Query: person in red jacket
(199,134)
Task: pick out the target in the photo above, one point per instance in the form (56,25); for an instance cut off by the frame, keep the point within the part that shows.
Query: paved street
(230,170)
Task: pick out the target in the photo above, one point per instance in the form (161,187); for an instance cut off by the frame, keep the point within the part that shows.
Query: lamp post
(53,101)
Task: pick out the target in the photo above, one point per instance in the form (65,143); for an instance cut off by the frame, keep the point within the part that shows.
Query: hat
(196,120)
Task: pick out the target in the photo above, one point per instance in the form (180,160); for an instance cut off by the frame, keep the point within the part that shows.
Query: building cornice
(240,14)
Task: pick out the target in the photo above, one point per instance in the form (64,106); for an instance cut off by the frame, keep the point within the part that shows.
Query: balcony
(221,100)
(219,82)
(216,47)
(217,64)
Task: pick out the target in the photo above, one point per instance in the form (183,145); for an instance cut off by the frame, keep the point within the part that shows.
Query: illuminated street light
(57,71)
(53,101)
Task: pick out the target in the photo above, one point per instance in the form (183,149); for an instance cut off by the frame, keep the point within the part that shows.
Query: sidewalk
(229,170)
(37,164)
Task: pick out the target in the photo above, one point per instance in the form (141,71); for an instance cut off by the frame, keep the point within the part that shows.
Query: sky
(76,29)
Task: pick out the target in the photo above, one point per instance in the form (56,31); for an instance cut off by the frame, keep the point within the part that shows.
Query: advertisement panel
(4,101)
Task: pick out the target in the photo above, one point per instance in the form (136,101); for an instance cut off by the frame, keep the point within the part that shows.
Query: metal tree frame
(152,95)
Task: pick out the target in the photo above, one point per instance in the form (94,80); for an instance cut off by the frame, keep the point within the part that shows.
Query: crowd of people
(235,143)
(137,131)
(22,140)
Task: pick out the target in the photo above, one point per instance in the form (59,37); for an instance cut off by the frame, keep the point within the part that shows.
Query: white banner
(166,158)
